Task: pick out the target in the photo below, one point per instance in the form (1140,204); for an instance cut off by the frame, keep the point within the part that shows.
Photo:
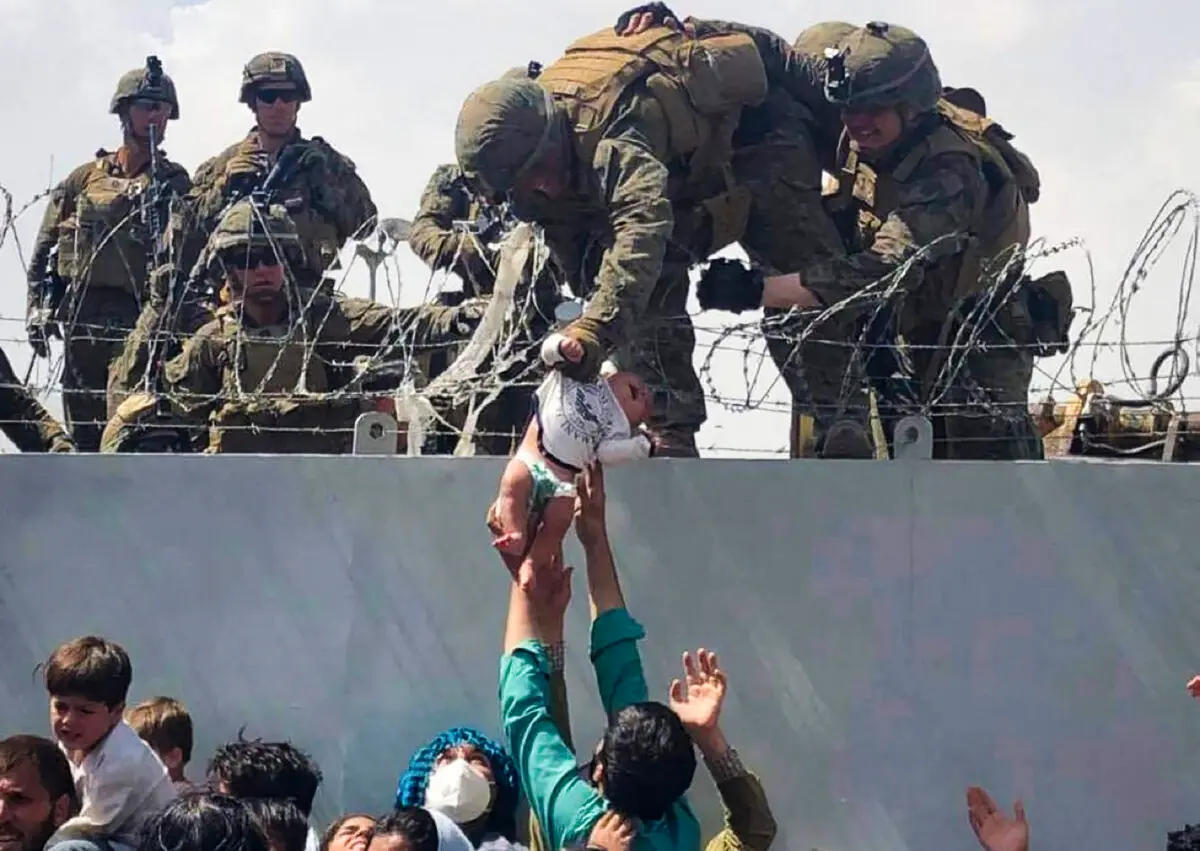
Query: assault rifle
(152,214)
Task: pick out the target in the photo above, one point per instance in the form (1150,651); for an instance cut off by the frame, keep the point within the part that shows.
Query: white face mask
(459,791)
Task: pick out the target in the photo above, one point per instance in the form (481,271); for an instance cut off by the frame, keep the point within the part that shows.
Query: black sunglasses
(272,95)
(245,260)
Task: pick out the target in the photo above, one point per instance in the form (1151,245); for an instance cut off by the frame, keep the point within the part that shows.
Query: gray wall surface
(893,632)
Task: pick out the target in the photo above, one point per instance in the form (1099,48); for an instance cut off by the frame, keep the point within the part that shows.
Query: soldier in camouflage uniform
(319,186)
(103,251)
(270,374)
(439,238)
(23,419)
(920,173)
(640,159)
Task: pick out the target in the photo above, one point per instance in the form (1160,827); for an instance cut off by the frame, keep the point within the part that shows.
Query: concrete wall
(893,632)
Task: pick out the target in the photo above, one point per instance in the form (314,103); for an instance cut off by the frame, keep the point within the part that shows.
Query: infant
(574,425)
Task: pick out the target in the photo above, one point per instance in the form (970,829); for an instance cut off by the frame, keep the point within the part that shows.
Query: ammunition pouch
(1051,312)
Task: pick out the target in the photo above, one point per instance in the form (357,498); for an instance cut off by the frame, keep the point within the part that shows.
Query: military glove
(39,329)
(728,285)
(62,444)
(586,331)
(244,169)
(659,15)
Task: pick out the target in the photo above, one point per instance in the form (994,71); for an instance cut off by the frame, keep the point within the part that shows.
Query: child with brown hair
(120,781)
(165,725)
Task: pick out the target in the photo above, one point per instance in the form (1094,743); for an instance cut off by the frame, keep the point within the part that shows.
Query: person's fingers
(986,801)
(689,667)
(676,691)
(1019,809)
(974,807)
(625,829)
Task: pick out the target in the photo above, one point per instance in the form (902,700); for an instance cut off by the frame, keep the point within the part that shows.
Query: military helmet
(882,65)
(503,127)
(249,223)
(148,81)
(267,68)
(814,40)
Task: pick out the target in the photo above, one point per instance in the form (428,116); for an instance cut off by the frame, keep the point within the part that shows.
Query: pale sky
(1105,99)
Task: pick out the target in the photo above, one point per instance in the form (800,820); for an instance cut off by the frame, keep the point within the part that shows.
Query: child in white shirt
(575,425)
(120,781)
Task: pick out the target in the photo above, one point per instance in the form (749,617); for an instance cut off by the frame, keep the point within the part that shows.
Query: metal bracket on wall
(913,439)
(375,433)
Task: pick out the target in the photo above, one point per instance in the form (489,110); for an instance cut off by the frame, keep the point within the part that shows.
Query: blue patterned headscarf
(502,818)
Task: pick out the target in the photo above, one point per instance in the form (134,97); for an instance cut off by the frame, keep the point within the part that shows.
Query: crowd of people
(114,778)
(885,216)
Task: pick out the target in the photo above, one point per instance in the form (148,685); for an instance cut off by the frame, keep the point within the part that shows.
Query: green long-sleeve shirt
(566,805)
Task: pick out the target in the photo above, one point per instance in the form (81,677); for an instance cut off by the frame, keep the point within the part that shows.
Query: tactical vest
(265,413)
(1000,220)
(300,195)
(99,243)
(700,84)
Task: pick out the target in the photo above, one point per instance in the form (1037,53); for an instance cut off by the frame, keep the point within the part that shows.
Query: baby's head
(632,395)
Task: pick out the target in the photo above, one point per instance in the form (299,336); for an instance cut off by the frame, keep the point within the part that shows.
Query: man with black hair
(645,761)
(203,822)
(37,792)
(285,826)
(257,769)
(406,829)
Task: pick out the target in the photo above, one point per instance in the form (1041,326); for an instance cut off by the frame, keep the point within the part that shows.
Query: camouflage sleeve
(24,420)
(342,196)
(208,189)
(940,200)
(630,171)
(434,238)
(801,76)
(371,325)
(59,206)
(193,377)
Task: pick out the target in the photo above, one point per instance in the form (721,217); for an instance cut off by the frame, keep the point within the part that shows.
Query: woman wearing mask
(468,777)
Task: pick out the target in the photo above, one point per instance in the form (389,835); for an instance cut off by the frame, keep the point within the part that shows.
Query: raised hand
(590,524)
(995,830)
(697,699)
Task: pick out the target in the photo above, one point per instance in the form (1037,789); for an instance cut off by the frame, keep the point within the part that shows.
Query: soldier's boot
(847,439)
(674,442)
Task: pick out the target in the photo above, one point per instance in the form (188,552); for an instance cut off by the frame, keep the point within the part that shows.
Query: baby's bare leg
(547,543)
(509,515)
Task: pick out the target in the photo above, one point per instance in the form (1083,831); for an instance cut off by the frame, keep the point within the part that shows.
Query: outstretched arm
(697,700)
(564,804)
